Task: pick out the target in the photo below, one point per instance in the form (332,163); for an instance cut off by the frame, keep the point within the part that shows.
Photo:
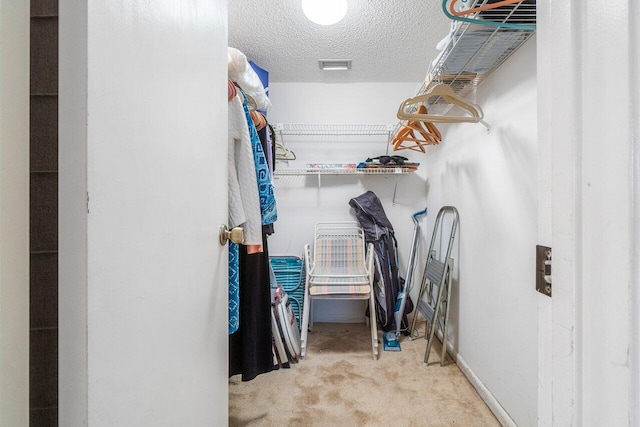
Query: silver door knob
(236,235)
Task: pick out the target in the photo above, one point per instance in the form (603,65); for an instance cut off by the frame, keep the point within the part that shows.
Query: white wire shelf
(383,171)
(473,52)
(333,129)
(345,171)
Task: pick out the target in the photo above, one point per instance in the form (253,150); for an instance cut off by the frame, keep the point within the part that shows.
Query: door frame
(588,212)
(14,212)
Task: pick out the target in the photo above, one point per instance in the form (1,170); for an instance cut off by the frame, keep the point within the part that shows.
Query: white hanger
(445,92)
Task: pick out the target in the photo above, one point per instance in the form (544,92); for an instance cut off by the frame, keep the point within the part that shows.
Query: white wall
(14,213)
(302,203)
(491,177)
(143,310)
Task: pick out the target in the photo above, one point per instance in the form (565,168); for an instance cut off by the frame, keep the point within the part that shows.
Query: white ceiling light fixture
(325,12)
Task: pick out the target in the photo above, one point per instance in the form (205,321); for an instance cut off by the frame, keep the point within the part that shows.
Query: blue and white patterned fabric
(265,186)
(234,288)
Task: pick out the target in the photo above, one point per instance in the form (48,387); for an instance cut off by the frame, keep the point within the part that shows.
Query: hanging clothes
(244,197)
(267,148)
(234,288)
(263,135)
(244,201)
(265,185)
(250,351)
(250,346)
(252,204)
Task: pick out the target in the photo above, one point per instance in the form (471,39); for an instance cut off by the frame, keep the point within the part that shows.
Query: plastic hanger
(283,153)
(258,120)
(231,90)
(427,129)
(251,103)
(445,92)
(486,22)
(479,8)
(399,142)
(418,131)
(407,134)
(427,134)
(406,139)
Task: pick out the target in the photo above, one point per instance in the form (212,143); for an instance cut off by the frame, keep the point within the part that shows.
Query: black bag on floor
(387,281)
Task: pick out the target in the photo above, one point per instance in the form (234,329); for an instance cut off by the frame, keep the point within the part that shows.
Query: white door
(143,279)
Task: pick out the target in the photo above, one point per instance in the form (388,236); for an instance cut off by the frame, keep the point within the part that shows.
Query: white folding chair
(339,269)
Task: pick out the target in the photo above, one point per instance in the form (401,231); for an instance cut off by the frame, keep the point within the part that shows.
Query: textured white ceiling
(388,41)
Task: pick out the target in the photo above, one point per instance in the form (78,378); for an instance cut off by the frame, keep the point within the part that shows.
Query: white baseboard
(498,411)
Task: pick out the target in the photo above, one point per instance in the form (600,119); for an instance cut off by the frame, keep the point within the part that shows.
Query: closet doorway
(391,55)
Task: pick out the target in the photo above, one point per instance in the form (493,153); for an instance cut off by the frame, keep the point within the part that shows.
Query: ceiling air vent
(335,64)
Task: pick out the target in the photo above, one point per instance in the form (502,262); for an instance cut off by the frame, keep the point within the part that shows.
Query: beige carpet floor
(339,384)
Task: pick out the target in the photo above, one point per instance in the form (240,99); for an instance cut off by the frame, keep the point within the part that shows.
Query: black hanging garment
(266,148)
(387,281)
(250,352)
(250,347)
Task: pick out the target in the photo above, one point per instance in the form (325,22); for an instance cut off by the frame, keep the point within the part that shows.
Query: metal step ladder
(435,289)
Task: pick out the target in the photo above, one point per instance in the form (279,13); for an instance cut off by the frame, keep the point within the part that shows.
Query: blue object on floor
(390,341)
(290,274)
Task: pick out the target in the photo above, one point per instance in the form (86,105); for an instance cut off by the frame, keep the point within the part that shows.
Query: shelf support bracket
(395,189)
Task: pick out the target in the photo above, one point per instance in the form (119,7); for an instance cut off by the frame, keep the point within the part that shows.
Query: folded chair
(339,268)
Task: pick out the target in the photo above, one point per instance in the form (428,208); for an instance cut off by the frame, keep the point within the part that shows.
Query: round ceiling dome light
(325,12)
